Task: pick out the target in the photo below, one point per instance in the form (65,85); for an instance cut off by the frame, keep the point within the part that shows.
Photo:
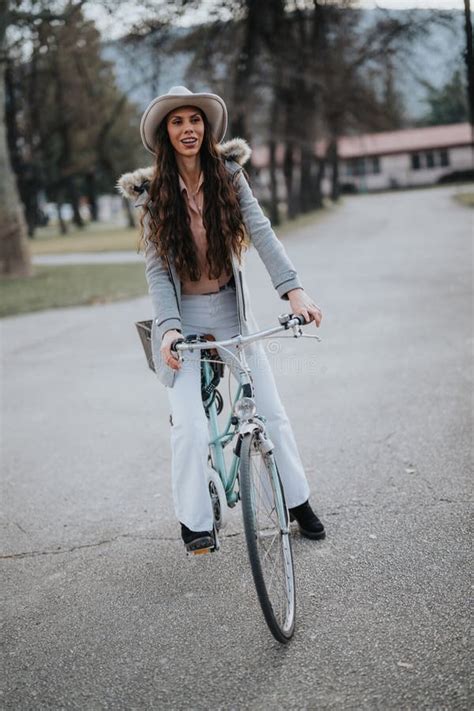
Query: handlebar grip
(300,318)
(174,344)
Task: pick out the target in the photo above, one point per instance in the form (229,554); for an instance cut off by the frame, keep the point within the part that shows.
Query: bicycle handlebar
(286,321)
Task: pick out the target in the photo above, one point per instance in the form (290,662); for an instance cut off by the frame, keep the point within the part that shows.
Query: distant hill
(434,58)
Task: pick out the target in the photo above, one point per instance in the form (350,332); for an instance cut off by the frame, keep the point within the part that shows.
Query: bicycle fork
(267,449)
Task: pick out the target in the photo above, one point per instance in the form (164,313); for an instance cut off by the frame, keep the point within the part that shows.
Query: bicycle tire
(281,625)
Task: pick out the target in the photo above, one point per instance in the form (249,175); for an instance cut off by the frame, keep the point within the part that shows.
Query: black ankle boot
(309,524)
(197,540)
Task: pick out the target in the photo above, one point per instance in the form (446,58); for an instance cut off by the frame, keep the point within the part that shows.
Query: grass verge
(93,238)
(466,199)
(55,287)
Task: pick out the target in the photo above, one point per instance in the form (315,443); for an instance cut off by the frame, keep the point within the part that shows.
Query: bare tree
(469,57)
(14,253)
(21,24)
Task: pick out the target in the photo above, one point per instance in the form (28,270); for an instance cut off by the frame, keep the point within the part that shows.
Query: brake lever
(311,335)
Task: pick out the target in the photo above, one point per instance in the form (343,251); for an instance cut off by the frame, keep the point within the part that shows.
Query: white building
(418,156)
(392,159)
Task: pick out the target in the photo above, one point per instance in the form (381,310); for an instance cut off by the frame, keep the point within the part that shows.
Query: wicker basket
(144,331)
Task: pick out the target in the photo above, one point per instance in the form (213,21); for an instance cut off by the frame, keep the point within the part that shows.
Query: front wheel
(266,528)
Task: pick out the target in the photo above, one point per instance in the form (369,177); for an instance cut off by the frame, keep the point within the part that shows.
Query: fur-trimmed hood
(131,185)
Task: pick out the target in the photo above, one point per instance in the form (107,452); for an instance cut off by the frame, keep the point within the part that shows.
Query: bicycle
(253,476)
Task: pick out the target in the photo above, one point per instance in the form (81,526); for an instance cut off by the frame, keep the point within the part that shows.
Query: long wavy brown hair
(170,228)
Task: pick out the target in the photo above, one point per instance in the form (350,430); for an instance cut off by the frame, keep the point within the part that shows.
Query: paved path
(102,608)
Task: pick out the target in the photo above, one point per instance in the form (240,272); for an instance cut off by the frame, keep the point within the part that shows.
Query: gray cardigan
(164,284)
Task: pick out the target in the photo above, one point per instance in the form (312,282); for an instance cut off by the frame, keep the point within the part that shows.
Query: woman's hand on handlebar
(302,303)
(170,357)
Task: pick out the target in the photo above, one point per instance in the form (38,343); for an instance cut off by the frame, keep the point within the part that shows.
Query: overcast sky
(113,27)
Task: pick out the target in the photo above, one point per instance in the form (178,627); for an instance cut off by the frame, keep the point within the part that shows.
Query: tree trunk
(63,229)
(24,172)
(15,257)
(72,193)
(306,182)
(334,163)
(274,212)
(128,212)
(469,57)
(244,70)
(317,193)
(91,192)
(288,164)
(28,188)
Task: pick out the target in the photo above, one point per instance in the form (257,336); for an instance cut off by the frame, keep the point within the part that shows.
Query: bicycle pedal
(202,551)
(195,549)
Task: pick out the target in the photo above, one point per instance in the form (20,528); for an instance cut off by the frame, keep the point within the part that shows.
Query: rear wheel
(267,535)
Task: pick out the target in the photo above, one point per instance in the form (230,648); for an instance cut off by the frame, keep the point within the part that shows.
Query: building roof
(407,140)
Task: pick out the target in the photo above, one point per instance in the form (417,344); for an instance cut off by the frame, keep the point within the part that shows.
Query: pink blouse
(194,202)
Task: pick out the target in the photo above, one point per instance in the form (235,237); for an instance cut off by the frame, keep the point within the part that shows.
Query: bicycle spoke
(270,582)
(280,592)
(275,538)
(267,500)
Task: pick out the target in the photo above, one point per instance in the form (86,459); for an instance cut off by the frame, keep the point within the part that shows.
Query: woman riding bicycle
(199,215)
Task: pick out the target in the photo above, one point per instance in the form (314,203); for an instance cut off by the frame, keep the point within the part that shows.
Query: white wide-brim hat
(211,104)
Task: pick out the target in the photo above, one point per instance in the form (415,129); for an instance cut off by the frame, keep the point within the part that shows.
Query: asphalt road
(102,608)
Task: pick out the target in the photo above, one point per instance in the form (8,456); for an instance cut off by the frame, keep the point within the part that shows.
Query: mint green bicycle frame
(219,440)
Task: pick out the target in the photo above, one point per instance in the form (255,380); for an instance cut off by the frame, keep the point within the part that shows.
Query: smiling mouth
(189,141)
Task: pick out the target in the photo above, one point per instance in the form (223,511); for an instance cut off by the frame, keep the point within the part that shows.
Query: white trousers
(217,314)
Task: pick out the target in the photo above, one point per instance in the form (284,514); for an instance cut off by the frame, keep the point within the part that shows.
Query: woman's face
(186,130)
